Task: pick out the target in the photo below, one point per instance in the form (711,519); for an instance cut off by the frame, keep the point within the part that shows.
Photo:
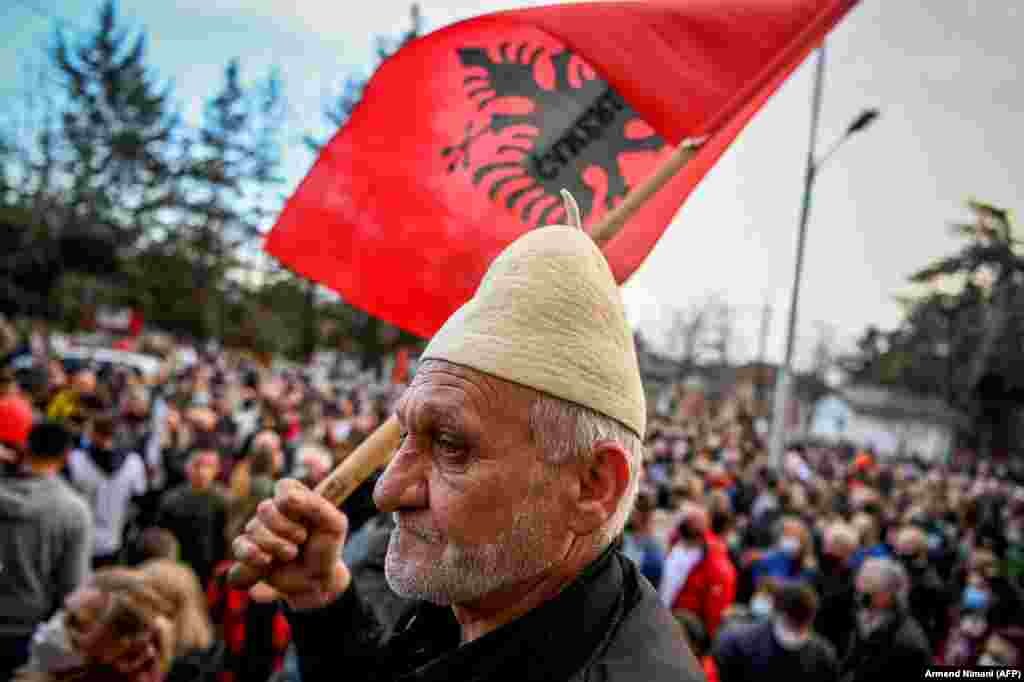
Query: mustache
(425,533)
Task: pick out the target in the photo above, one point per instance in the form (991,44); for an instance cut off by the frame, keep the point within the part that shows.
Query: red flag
(464,138)
(400,372)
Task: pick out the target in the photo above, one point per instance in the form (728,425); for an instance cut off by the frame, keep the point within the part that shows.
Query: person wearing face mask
(928,600)
(762,604)
(698,575)
(782,647)
(835,620)
(791,560)
(888,643)
(109,479)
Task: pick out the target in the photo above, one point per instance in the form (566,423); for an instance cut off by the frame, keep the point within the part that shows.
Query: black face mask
(109,460)
(689,534)
(134,421)
(913,563)
(833,564)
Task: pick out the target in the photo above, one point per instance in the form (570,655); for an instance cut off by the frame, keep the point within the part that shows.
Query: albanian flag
(464,138)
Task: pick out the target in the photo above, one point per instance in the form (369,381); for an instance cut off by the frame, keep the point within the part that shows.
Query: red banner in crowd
(464,138)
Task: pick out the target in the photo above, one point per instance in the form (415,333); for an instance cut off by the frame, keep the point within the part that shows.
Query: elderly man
(929,599)
(517,469)
(836,616)
(888,643)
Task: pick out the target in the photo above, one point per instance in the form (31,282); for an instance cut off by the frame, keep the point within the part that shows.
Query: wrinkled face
(476,508)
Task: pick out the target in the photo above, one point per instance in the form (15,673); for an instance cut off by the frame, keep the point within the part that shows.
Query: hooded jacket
(710,586)
(45,547)
(108,480)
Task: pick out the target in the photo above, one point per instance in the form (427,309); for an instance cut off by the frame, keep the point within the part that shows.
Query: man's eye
(447,443)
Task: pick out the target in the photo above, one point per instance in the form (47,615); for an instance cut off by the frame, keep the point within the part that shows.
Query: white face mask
(761,606)
(788,639)
(790,546)
(973,626)
(869,620)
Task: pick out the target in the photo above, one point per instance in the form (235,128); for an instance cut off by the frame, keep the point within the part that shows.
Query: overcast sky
(944,75)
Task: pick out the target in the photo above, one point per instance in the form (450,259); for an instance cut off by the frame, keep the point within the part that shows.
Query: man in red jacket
(699,576)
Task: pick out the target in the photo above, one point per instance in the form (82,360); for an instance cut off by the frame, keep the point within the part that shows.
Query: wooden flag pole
(378,449)
(604,231)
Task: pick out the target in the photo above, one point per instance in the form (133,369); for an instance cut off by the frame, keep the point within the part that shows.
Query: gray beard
(466,573)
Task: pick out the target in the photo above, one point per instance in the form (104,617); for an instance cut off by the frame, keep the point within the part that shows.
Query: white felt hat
(548,315)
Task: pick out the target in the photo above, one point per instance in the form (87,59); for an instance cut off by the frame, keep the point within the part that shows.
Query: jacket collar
(580,617)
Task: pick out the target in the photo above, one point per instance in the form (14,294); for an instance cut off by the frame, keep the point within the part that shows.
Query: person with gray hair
(888,642)
(836,615)
(929,599)
(517,467)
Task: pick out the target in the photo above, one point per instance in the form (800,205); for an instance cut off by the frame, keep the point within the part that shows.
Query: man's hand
(294,542)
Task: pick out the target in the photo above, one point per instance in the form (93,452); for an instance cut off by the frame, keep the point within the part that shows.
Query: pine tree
(117,128)
(234,166)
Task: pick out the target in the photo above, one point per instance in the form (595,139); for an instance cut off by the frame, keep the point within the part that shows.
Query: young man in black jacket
(782,648)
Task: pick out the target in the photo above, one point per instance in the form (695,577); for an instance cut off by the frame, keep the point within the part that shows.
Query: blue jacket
(879,551)
(778,564)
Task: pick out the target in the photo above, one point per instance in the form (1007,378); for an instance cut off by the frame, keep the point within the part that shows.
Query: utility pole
(762,343)
(762,348)
(783,377)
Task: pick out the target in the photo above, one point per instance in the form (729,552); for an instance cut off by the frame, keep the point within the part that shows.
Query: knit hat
(15,420)
(548,315)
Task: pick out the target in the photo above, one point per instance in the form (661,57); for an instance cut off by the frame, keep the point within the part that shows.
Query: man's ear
(603,479)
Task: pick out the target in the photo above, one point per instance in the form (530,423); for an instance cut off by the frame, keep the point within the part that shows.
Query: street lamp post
(784,376)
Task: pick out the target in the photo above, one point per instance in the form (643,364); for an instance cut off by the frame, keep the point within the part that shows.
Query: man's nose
(403,484)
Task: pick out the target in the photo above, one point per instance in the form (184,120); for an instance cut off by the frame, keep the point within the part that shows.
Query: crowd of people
(840,565)
(121,493)
(107,470)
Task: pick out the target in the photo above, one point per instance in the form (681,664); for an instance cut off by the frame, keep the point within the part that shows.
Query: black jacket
(751,652)
(930,604)
(836,620)
(607,625)
(897,651)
